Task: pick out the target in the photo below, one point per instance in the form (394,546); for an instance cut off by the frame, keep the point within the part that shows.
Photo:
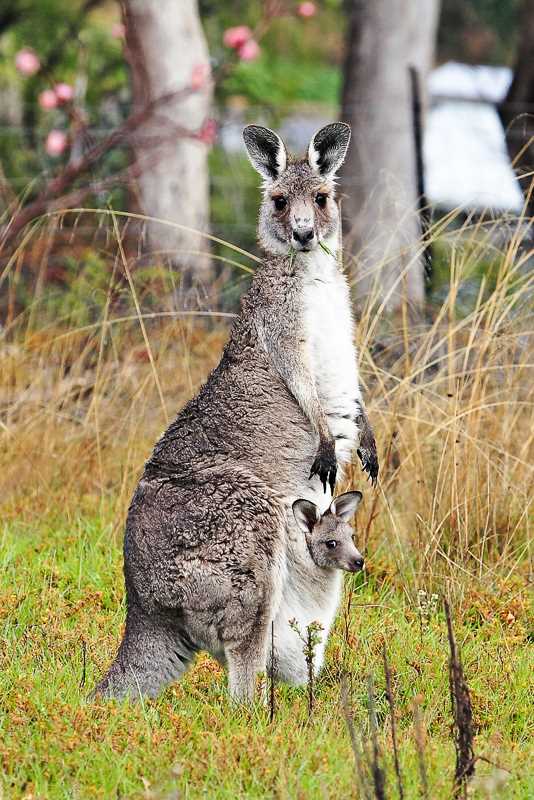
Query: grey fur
(329,536)
(211,551)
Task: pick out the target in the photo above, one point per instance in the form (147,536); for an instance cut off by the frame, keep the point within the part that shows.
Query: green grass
(61,585)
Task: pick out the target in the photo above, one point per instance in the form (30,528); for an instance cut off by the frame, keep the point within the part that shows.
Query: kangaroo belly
(303,602)
(329,329)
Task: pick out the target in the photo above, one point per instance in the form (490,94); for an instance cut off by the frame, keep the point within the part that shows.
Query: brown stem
(462,713)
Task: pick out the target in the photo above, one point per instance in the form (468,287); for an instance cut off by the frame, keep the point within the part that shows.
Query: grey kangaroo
(212,552)
(329,536)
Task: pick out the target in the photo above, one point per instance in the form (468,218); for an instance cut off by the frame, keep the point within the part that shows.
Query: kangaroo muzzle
(304,237)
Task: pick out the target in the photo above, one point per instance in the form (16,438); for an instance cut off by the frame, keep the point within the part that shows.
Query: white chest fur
(329,327)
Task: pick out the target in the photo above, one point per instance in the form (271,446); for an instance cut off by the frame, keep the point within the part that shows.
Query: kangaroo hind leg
(154,652)
(245,660)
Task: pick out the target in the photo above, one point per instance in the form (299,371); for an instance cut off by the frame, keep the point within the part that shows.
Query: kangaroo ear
(306,514)
(328,149)
(266,151)
(345,505)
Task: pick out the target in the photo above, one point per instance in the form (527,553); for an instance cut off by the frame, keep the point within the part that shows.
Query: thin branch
(84,663)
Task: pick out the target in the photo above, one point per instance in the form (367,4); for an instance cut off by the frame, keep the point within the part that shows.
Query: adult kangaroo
(212,553)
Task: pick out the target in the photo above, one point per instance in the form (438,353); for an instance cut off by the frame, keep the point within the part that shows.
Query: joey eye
(321,199)
(280,203)
(331,544)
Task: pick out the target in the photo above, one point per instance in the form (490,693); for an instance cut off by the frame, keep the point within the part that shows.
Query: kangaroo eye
(280,203)
(321,200)
(331,544)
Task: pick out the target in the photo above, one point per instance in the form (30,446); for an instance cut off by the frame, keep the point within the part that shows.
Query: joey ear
(266,151)
(345,505)
(306,514)
(328,149)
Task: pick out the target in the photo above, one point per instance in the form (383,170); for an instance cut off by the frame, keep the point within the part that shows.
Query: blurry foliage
(479,264)
(478,31)
(233,216)
(279,82)
(300,63)
(300,57)
(74,46)
(87,282)
(235,211)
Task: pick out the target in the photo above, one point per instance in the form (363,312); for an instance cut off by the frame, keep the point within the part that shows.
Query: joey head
(329,536)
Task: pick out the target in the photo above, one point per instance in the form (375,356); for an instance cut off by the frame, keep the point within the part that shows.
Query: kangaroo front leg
(299,380)
(290,357)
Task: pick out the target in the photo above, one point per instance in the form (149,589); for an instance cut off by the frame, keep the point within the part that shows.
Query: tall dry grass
(450,396)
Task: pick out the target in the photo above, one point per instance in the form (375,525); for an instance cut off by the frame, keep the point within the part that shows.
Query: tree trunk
(385,38)
(165,44)
(517,109)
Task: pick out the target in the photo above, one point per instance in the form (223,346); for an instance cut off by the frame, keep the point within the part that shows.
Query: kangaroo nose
(357,564)
(304,236)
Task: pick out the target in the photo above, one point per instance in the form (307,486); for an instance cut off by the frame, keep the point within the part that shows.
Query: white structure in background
(466,159)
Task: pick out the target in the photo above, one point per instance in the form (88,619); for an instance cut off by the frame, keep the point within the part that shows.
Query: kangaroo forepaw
(325,466)
(367,447)
(369,460)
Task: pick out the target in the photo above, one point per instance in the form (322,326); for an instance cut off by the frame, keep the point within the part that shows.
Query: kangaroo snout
(304,236)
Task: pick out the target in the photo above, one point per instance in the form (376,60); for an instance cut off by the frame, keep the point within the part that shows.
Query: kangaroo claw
(325,466)
(369,461)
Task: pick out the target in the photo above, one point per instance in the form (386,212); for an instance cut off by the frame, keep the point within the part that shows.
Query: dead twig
(84,663)
(462,726)
(310,642)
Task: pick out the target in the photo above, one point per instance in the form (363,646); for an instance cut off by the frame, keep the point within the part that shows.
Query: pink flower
(237,37)
(47,100)
(27,62)
(56,142)
(200,76)
(64,92)
(249,51)
(307,9)
(208,131)
(118,31)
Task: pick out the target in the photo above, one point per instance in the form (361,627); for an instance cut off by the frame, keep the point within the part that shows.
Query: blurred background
(138,107)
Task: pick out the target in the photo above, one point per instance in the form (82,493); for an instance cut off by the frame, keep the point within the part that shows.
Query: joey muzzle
(356,564)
